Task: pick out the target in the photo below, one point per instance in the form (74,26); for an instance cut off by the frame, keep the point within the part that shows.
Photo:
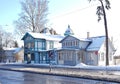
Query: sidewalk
(60,72)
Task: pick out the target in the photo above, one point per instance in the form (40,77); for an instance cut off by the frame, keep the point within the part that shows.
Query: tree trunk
(106,33)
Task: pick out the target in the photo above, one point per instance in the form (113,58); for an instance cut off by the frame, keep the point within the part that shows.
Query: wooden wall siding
(81,56)
(70,42)
(92,58)
(71,57)
(66,57)
(101,60)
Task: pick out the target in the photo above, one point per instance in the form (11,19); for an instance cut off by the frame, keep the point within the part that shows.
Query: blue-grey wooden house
(40,47)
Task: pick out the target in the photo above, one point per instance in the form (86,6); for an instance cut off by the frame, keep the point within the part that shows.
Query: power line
(77,10)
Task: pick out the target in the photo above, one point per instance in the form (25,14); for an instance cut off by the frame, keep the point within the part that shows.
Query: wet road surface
(11,77)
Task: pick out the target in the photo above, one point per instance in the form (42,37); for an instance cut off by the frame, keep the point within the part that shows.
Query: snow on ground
(80,65)
(115,69)
(110,68)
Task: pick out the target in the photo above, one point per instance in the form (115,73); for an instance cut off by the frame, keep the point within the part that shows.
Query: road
(12,77)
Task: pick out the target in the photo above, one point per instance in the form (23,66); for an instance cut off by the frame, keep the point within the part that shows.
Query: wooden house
(66,50)
(39,47)
(90,51)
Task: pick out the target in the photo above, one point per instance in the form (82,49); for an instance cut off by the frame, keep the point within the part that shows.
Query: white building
(90,50)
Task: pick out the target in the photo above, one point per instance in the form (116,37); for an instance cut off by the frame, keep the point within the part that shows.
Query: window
(28,45)
(63,44)
(43,45)
(110,58)
(72,43)
(32,57)
(98,56)
(51,44)
(32,45)
(40,45)
(76,43)
(35,44)
(102,56)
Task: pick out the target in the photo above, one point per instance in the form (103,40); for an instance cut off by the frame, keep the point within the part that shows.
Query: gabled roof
(96,43)
(17,50)
(80,39)
(44,36)
(8,49)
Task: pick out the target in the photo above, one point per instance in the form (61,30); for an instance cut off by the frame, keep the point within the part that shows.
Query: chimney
(88,34)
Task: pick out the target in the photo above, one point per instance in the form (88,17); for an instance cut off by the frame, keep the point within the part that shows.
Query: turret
(68,31)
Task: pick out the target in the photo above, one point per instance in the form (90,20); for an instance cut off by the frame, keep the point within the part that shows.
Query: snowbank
(81,64)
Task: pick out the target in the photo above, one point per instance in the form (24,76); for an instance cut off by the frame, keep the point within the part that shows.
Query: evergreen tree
(101,12)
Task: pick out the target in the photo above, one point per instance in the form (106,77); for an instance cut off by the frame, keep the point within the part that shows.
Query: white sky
(79,14)
(82,18)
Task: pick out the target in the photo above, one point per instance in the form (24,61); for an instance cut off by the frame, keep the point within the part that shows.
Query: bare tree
(33,16)
(8,39)
(101,12)
(2,55)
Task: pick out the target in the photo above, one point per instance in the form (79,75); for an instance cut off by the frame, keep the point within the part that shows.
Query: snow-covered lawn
(110,68)
(115,69)
(80,65)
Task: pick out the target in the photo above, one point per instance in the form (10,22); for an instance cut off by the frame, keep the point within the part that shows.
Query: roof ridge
(97,36)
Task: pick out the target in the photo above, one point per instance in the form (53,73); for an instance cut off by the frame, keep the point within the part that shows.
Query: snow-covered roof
(6,48)
(17,50)
(96,43)
(45,36)
(84,39)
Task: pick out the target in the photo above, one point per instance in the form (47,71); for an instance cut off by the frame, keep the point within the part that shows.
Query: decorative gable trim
(67,37)
(26,35)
